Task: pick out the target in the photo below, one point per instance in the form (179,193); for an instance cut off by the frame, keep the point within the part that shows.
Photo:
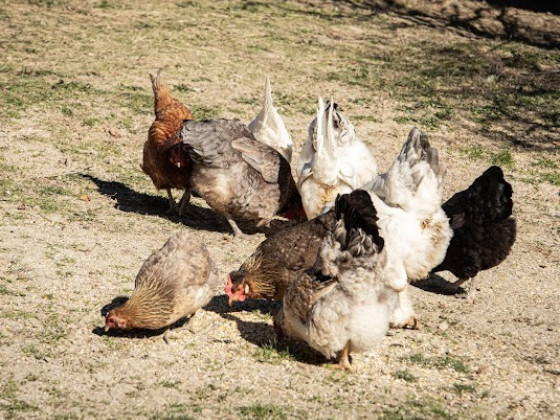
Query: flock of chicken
(343,273)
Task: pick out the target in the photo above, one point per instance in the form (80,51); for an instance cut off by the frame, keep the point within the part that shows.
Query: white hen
(333,160)
(415,227)
(269,128)
(342,304)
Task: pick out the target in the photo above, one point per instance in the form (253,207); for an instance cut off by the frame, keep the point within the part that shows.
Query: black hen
(483,229)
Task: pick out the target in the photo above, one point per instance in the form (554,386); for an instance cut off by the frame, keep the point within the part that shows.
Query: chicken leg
(236,231)
(471,291)
(343,360)
(185,199)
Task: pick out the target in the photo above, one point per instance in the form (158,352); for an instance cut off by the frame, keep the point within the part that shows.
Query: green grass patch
(270,353)
(9,403)
(440,362)
(503,158)
(405,375)
(262,411)
(463,388)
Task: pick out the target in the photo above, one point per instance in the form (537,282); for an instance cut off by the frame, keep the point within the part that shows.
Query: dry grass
(79,216)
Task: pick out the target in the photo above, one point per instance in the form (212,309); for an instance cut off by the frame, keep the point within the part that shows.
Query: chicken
(333,160)
(342,305)
(484,231)
(415,227)
(269,128)
(172,284)
(168,166)
(279,260)
(237,175)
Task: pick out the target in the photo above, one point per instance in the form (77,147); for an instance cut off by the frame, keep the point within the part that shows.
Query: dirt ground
(78,216)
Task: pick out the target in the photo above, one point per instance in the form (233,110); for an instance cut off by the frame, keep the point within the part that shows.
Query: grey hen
(237,175)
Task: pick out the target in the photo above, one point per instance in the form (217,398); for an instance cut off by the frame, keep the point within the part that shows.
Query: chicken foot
(403,314)
(471,291)
(343,360)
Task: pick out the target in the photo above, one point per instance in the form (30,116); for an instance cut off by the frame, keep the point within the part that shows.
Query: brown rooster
(237,175)
(279,260)
(168,167)
(172,284)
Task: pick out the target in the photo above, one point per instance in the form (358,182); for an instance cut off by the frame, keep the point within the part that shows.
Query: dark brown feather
(281,257)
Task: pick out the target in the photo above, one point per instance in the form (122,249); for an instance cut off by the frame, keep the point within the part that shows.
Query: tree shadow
(473,17)
(136,333)
(194,216)
(438,285)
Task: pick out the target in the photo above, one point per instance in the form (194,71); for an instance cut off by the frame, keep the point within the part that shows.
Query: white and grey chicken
(342,304)
(415,227)
(332,161)
(269,128)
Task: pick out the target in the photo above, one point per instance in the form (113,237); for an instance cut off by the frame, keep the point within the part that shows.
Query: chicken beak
(107,328)
(230,301)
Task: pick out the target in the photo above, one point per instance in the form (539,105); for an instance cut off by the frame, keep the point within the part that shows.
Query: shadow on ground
(438,285)
(136,333)
(219,305)
(194,216)
(518,20)
(263,335)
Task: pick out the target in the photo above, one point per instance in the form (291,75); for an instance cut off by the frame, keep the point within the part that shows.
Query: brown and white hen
(278,260)
(342,304)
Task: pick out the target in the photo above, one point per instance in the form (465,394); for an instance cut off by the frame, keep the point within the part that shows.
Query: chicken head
(237,292)
(115,321)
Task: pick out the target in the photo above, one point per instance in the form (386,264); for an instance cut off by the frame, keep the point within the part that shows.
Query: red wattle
(229,286)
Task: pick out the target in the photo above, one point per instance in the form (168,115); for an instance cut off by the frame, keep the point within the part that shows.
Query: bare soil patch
(79,217)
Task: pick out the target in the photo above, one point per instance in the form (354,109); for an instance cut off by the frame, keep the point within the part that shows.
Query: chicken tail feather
(358,212)
(162,95)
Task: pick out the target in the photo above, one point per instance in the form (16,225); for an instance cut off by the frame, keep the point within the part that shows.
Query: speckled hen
(172,284)
(278,260)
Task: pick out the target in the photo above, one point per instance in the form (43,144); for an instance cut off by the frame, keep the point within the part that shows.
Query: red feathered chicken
(168,166)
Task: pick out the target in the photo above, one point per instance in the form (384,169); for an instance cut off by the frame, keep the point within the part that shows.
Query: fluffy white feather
(343,305)
(333,160)
(269,128)
(415,227)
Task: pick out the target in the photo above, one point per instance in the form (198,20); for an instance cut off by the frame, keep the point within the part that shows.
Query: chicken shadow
(196,217)
(136,333)
(263,335)
(219,305)
(437,284)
